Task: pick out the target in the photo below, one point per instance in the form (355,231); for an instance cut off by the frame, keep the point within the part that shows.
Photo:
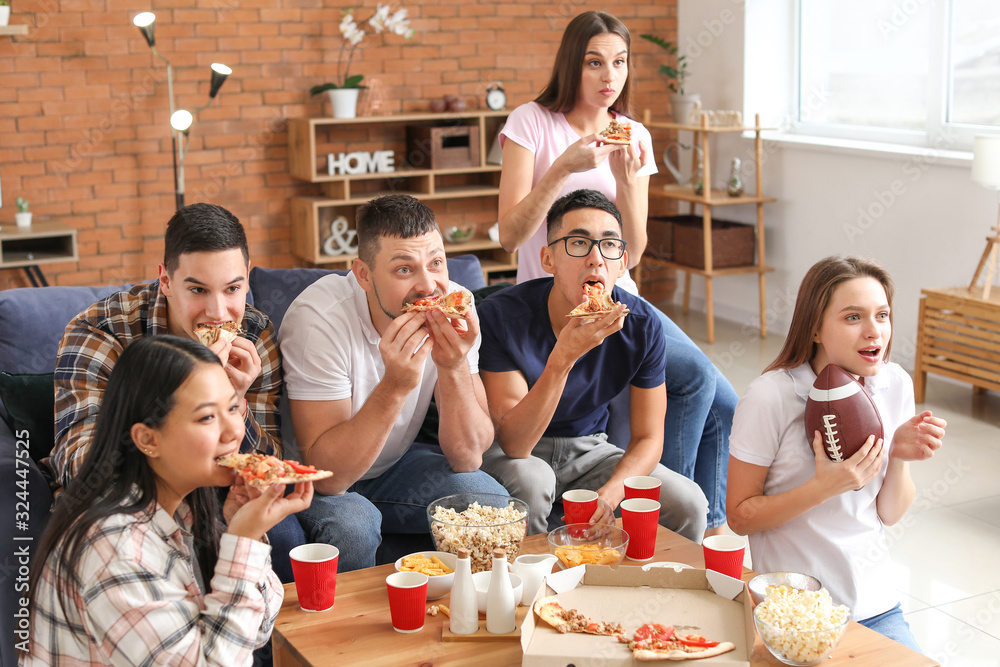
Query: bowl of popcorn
(581,544)
(800,627)
(479,522)
(439,567)
(759,584)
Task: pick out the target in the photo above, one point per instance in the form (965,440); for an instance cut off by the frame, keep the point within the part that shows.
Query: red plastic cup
(724,554)
(314,567)
(639,519)
(642,486)
(407,600)
(578,506)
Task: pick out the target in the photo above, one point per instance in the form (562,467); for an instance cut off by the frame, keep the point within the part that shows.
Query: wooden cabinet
(708,200)
(44,242)
(460,195)
(958,336)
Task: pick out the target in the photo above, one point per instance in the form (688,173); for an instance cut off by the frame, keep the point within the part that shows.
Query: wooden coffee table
(357,630)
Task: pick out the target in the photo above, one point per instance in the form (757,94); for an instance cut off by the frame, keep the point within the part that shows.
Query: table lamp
(986,172)
(180,119)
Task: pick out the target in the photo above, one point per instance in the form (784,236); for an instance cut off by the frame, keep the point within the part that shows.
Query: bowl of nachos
(439,566)
(583,544)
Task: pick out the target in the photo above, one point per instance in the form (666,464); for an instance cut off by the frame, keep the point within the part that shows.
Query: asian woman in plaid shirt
(134,566)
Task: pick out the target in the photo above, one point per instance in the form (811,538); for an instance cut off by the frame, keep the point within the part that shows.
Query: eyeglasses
(580,246)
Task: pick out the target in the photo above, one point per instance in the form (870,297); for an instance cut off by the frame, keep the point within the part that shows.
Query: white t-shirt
(329,348)
(547,135)
(841,542)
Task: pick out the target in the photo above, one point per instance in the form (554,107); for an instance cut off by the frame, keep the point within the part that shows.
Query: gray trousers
(557,465)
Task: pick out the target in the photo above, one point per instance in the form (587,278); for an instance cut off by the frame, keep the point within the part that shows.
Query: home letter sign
(360,162)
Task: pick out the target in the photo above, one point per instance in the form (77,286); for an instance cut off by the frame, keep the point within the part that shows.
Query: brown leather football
(842,410)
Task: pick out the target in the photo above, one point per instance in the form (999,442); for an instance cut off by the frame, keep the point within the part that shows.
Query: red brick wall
(84,131)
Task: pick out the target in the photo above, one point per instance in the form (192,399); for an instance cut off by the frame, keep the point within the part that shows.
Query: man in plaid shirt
(203,280)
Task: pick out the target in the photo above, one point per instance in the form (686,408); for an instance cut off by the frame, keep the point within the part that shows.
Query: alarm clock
(496,98)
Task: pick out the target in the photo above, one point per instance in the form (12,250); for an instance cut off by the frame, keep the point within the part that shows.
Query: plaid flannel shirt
(137,599)
(91,346)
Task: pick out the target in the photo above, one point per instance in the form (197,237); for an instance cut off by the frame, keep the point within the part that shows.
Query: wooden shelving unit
(708,200)
(44,242)
(311,139)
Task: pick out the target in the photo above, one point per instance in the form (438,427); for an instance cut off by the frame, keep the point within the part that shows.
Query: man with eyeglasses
(549,379)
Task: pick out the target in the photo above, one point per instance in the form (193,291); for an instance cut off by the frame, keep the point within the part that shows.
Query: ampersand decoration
(341,239)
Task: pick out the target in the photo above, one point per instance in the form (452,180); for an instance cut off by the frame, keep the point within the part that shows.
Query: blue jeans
(284,537)
(394,502)
(700,407)
(893,625)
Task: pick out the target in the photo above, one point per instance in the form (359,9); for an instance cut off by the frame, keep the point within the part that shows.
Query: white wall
(922,217)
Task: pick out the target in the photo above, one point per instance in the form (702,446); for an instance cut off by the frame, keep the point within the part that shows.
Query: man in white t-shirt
(360,374)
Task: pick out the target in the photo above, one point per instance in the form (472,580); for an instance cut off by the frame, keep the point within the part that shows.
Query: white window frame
(771,86)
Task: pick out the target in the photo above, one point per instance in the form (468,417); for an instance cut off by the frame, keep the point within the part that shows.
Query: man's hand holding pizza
(452,338)
(582,335)
(404,348)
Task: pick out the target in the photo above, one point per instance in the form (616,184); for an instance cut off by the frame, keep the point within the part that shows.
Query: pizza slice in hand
(571,620)
(598,302)
(455,304)
(261,470)
(209,333)
(662,642)
(616,133)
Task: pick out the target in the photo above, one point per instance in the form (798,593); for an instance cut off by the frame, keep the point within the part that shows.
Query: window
(917,72)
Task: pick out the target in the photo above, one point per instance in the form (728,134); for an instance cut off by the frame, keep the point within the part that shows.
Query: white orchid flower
(380,18)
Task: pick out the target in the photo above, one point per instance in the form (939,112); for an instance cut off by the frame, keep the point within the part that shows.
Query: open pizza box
(717,605)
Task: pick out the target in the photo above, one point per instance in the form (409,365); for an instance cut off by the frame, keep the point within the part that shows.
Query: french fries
(432,566)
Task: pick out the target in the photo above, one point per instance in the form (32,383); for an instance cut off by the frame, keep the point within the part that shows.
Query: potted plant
(4,12)
(682,103)
(23,215)
(344,92)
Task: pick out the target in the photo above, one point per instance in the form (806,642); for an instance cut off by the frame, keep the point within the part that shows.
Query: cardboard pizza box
(717,605)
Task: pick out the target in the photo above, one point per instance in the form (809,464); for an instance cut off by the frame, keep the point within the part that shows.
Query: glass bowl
(758,585)
(460,234)
(480,522)
(581,543)
(799,647)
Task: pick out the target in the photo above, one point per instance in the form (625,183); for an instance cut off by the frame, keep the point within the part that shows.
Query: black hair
(202,228)
(116,477)
(576,200)
(397,216)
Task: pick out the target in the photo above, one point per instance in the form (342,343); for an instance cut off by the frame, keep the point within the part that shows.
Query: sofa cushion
(274,289)
(29,400)
(33,320)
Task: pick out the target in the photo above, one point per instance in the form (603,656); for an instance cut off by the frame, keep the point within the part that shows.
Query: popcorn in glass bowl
(800,627)
(479,522)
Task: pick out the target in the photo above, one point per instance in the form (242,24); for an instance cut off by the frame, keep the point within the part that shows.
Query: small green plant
(676,75)
(22,203)
(4,3)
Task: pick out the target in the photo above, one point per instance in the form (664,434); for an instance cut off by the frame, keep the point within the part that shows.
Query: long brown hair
(814,297)
(559,95)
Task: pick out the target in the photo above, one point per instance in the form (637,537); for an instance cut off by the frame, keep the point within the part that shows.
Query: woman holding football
(802,511)
(134,566)
(551,146)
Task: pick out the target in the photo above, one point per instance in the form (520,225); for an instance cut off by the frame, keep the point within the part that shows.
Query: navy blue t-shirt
(517,336)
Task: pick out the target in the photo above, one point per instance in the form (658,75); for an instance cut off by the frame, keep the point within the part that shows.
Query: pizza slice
(654,641)
(616,133)
(598,302)
(262,470)
(455,304)
(209,333)
(571,620)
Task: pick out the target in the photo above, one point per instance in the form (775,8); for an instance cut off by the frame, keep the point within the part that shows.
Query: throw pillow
(30,402)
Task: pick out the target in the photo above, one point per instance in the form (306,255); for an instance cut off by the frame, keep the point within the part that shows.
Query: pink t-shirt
(547,134)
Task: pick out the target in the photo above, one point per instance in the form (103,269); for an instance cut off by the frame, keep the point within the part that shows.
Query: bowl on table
(438,585)
(481,580)
(581,543)
(799,648)
(479,522)
(456,234)
(759,584)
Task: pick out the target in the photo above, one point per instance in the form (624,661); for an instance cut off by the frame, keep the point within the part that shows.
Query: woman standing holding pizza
(550,148)
(133,566)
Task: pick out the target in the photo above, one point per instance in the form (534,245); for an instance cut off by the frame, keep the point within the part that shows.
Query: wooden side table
(44,242)
(958,336)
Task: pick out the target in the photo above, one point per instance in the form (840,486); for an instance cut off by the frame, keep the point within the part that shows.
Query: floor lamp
(180,119)
(986,172)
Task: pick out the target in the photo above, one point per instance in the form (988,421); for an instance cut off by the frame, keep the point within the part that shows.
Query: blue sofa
(32,321)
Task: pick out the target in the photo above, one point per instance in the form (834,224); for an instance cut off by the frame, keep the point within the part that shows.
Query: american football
(841,409)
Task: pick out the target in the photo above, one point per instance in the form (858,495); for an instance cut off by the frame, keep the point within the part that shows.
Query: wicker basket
(732,242)
(660,238)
